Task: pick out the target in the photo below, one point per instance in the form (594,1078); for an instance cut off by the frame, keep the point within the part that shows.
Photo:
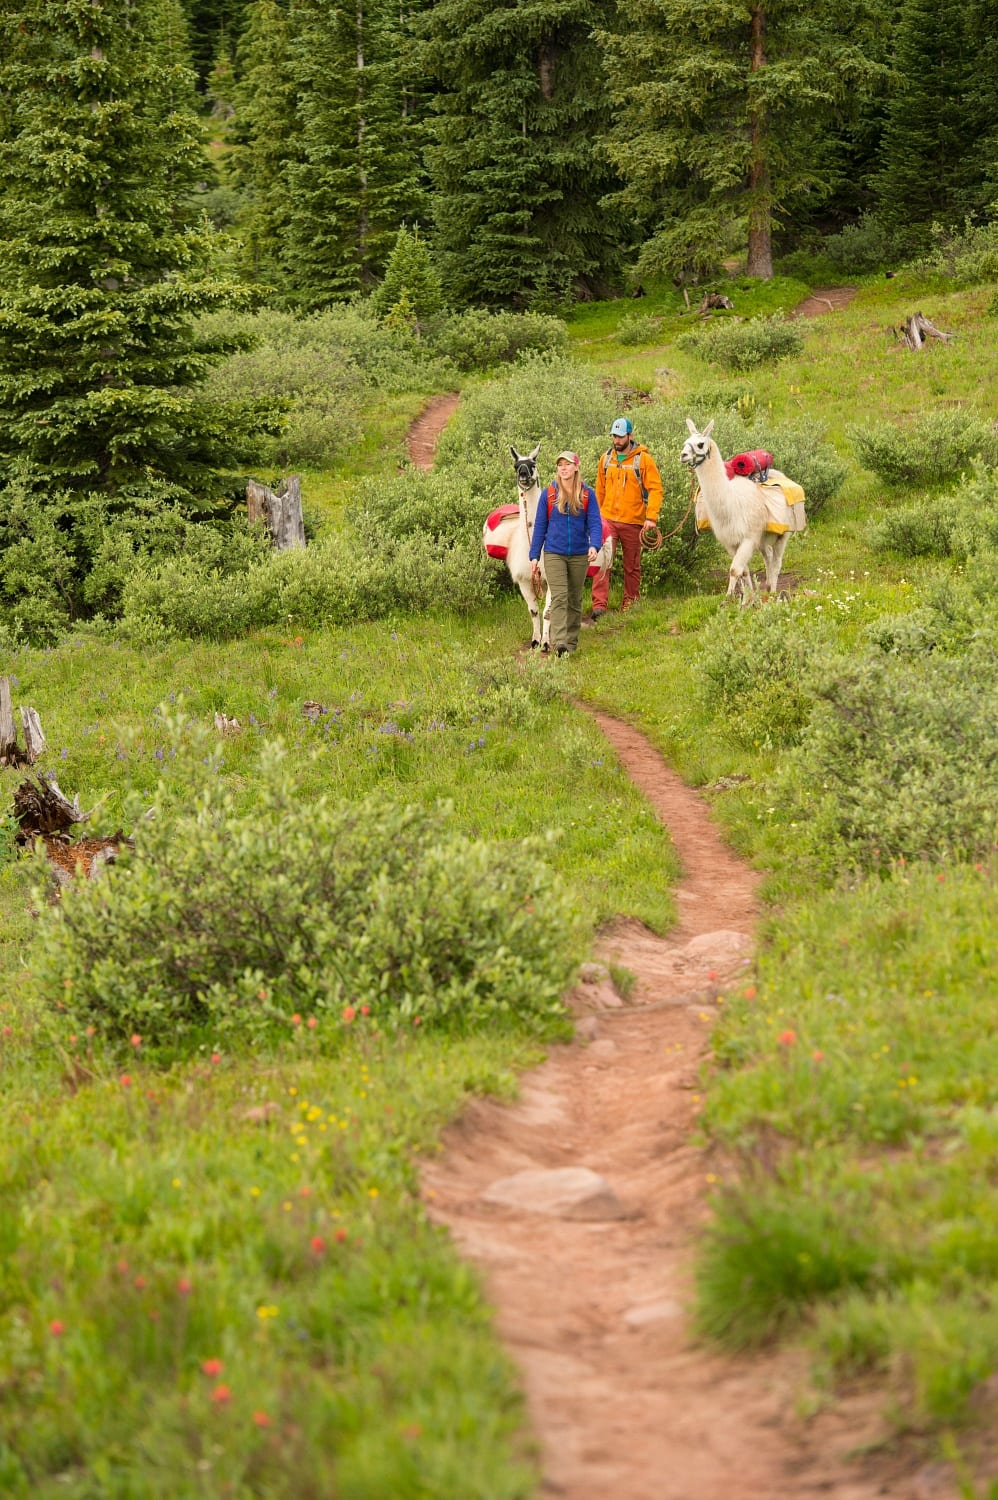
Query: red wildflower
(818,1056)
(125,1080)
(216,1057)
(311,1023)
(221,1394)
(317,1244)
(365,1010)
(348,1012)
(750,992)
(91,1030)
(296,1019)
(140,1283)
(122,1266)
(135,1040)
(57,1328)
(184,1287)
(417,1020)
(787,1038)
(211,1367)
(341,1235)
(260,1419)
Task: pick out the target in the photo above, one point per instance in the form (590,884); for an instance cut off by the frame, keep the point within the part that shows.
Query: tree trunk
(9,752)
(760,248)
(279,510)
(33,738)
(545,70)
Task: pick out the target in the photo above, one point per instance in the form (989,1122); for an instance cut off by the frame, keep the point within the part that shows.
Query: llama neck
(528,503)
(714,482)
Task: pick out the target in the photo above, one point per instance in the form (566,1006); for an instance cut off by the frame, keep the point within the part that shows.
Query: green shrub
(924,529)
(232,921)
(931,449)
(756,669)
(335,582)
(479,340)
(902,748)
(638,328)
(409,275)
(865,246)
(967,257)
(438,505)
(742,345)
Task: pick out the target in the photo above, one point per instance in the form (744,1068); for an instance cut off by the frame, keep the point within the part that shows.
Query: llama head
(526,467)
(698,445)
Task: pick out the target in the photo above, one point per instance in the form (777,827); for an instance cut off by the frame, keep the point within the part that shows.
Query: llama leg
(546,622)
(530,600)
(738,573)
(774,562)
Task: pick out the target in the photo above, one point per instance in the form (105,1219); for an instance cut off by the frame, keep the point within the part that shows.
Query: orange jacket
(618,489)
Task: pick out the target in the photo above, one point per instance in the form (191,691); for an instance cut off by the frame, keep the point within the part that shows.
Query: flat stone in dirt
(560,1192)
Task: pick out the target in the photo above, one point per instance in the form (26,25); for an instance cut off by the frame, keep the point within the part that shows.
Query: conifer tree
(409,274)
(265,140)
(720,115)
(101,272)
(515,159)
(942,108)
(357,174)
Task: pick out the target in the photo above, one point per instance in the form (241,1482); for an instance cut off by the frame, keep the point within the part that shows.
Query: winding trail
(824,299)
(423,435)
(625,1403)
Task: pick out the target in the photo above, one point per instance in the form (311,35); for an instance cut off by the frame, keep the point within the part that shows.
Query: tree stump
(916,329)
(40,807)
(11,753)
(714,302)
(279,510)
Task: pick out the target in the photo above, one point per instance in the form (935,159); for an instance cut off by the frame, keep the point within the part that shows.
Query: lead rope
(536,583)
(694,486)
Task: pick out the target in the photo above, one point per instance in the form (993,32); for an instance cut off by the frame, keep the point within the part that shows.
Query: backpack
(635,465)
(551,496)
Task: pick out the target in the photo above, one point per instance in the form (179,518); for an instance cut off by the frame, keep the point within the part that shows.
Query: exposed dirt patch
(421,441)
(824,299)
(626,1404)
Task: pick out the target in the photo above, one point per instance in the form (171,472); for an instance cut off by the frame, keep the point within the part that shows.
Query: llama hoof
(534,645)
(545,649)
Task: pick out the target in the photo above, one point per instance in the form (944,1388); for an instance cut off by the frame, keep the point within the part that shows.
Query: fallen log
(714,302)
(279,510)
(917,328)
(40,808)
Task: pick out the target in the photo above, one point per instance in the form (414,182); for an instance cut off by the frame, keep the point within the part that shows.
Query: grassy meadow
(217,1277)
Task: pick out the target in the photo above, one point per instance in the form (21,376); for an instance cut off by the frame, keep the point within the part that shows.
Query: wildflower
(417,1020)
(787,1038)
(365,1010)
(125,1080)
(260,1419)
(121,1267)
(91,1030)
(311,1023)
(221,1394)
(139,1283)
(817,1056)
(348,1013)
(72,1038)
(750,992)
(57,1328)
(184,1287)
(317,1245)
(212,1368)
(216,1057)
(341,1235)
(296,1019)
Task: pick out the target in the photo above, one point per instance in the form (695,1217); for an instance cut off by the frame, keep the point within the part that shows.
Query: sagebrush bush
(925,529)
(863,247)
(638,328)
(231,921)
(967,257)
(931,449)
(744,345)
(439,505)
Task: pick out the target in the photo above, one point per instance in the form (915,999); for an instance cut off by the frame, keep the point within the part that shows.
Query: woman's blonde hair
(569,500)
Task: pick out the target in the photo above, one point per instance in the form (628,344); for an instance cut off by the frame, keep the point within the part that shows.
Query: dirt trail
(626,1405)
(421,440)
(824,299)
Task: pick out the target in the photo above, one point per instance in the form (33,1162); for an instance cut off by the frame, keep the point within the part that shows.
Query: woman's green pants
(566,578)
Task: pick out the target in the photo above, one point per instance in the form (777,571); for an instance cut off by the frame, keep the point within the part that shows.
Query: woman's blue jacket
(567,534)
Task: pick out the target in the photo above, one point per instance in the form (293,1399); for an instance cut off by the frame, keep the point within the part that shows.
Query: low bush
(230,921)
(967,257)
(340,581)
(756,668)
(902,748)
(744,345)
(479,340)
(638,328)
(440,505)
(865,246)
(925,529)
(931,449)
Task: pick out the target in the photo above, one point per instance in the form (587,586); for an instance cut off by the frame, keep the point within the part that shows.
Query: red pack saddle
(755,464)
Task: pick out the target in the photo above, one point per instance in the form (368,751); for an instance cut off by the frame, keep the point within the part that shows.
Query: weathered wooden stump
(11,753)
(916,329)
(279,510)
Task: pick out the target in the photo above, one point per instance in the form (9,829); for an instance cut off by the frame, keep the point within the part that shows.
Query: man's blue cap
(623,427)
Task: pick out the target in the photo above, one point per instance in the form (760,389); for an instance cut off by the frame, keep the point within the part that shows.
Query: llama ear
(692,426)
(535,452)
(513,454)
(708,429)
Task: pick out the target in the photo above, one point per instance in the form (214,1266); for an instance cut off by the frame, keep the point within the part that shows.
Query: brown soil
(625,1402)
(824,299)
(421,441)
(80,855)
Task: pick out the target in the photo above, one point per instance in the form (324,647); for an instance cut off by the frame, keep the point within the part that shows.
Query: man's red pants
(627,540)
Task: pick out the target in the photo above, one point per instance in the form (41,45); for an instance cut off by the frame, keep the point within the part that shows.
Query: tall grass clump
(230,921)
(931,449)
(744,345)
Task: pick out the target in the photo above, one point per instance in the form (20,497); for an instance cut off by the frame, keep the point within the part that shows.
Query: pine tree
(721,113)
(358,173)
(515,161)
(409,275)
(943,107)
(265,140)
(101,272)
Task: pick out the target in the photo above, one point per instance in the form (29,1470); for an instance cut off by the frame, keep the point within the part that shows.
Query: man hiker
(629,494)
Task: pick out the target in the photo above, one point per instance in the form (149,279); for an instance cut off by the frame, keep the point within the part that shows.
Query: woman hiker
(568,529)
(629,492)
